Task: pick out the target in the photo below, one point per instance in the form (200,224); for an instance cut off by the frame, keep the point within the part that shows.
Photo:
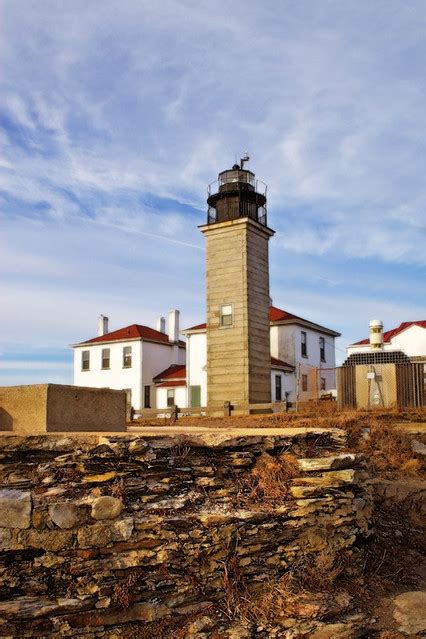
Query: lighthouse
(237,286)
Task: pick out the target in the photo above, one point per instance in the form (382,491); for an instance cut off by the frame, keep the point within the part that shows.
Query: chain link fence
(396,385)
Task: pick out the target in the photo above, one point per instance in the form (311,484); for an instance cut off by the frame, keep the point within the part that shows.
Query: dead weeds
(311,582)
(388,449)
(269,481)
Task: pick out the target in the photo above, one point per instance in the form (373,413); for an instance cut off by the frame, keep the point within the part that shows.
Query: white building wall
(311,365)
(288,384)
(180,397)
(286,342)
(283,342)
(148,359)
(196,364)
(412,342)
(155,359)
(116,376)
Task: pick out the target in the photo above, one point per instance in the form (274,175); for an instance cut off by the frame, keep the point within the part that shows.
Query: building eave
(307,324)
(190,331)
(129,339)
(112,341)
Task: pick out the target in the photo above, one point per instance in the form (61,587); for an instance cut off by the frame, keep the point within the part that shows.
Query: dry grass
(388,449)
(118,488)
(313,578)
(269,479)
(124,591)
(320,413)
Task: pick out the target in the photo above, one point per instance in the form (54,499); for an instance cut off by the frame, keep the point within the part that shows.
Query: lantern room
(235,194)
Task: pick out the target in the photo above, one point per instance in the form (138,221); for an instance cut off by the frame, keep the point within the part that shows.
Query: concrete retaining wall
(60,408)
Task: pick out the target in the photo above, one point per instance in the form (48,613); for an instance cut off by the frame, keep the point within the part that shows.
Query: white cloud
(105,108)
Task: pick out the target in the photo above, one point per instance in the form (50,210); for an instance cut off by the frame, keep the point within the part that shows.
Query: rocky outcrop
(105,531)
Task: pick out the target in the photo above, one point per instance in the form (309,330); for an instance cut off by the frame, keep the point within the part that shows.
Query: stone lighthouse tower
(237,280)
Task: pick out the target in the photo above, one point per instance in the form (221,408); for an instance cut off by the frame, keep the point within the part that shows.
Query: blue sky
(115,116)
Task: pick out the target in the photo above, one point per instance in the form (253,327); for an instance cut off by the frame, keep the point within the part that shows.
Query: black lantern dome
(235,194)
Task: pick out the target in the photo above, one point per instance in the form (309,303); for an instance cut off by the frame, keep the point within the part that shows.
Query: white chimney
(102,325)
(174,326)
(161,324)
(376,335)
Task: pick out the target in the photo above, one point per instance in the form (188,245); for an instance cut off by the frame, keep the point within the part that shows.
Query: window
(278,388)
(105,358)
(226,318)
(304,344)
(323,384)
(127,357)
(147,397)
(85,361)
(304,382)
(170,397)
(322,348)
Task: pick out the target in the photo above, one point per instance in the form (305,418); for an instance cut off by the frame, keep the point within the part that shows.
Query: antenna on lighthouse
(246,158)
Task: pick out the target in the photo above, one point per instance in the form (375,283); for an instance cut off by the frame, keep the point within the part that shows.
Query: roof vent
(376,335)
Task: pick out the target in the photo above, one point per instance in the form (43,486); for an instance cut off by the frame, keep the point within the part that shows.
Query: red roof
(171,384)
(175,371)
(275,315)
(134,331)
(388,335)
(280,363)
(199,327)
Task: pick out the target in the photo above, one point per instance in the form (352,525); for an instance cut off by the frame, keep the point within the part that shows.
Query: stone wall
(127,533)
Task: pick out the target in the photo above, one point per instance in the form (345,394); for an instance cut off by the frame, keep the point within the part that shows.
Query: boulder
(410,612)
(418,448)
(103,533)
(106,507)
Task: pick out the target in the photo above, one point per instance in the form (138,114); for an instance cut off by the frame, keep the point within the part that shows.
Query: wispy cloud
(114,119)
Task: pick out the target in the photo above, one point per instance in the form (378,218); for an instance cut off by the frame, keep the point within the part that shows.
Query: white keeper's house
(158,370)
(129,359)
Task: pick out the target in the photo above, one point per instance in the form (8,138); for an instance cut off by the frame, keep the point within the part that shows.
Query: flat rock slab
(410,612)
(167,437)
(15,508)
(411,427)
(334,631)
